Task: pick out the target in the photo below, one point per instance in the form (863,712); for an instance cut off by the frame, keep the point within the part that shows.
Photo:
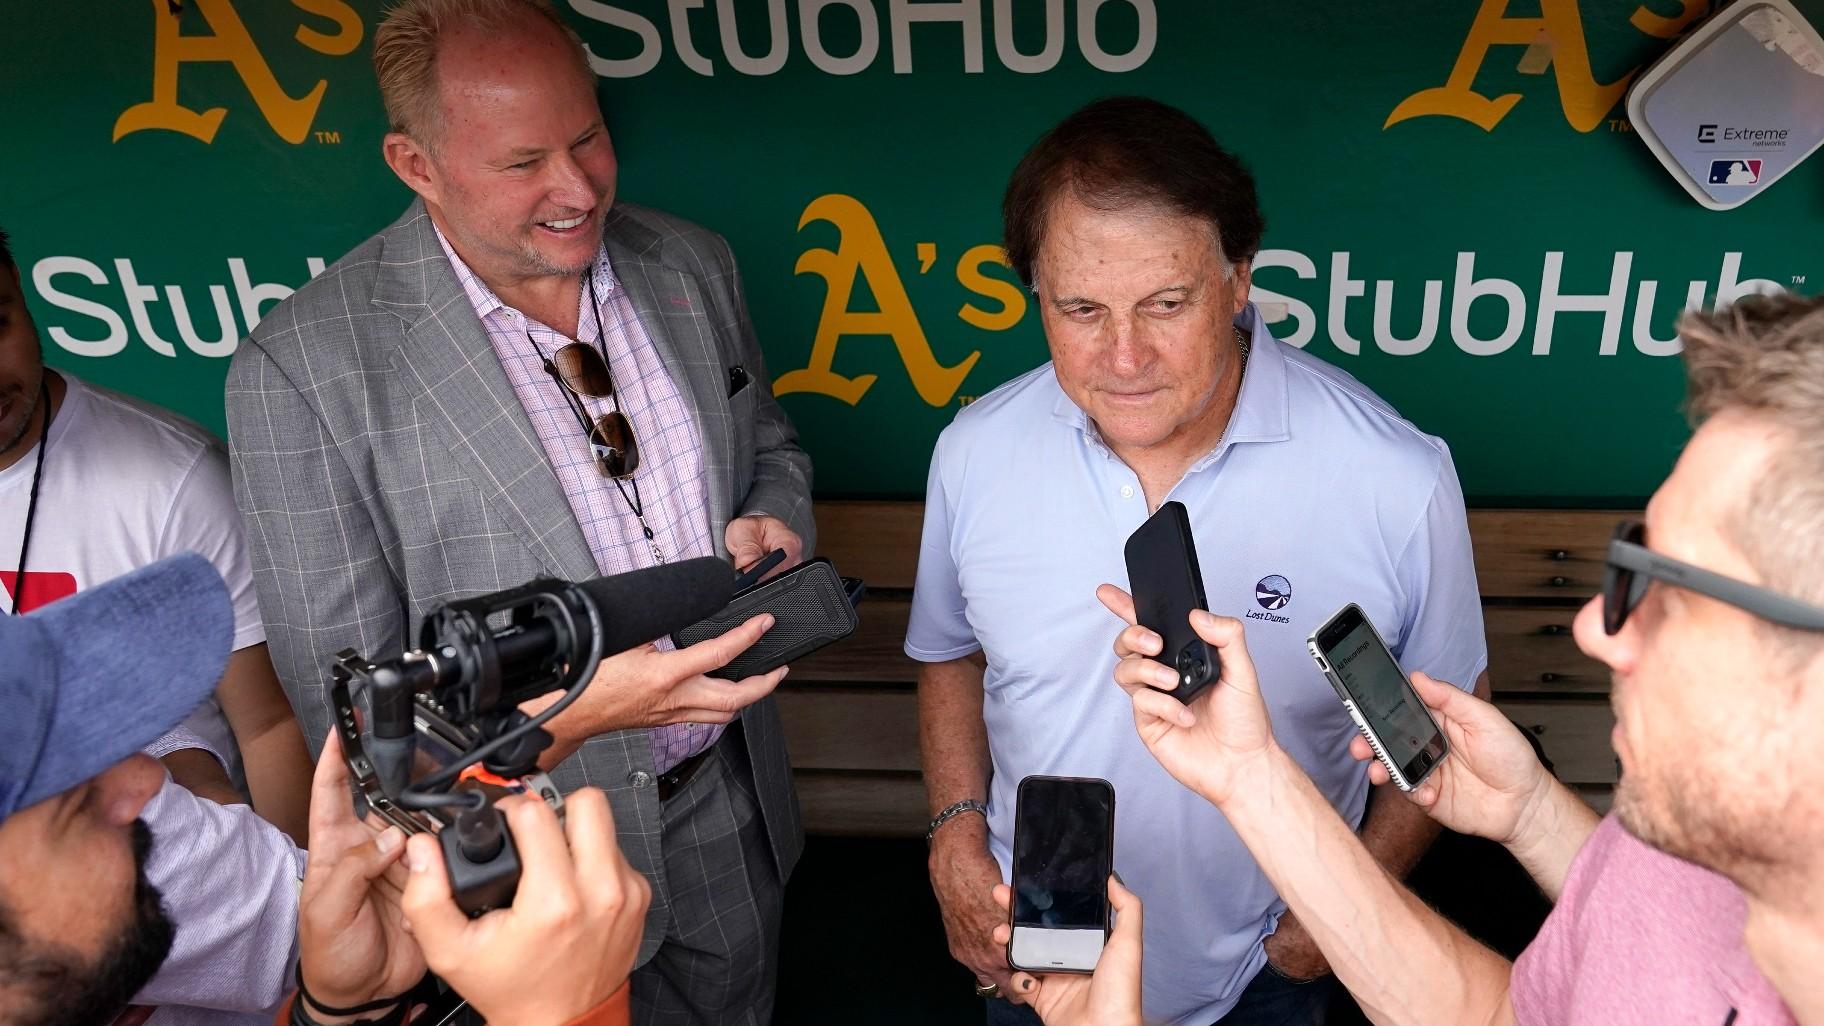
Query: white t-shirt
(230,881)
(127,484)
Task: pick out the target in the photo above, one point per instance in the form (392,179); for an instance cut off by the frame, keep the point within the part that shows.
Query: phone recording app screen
(1379,688)
(1060,858)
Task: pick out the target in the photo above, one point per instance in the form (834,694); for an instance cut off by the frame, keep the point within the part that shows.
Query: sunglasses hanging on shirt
(582,373)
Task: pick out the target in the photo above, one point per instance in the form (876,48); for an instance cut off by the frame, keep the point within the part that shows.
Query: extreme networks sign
(1470,227)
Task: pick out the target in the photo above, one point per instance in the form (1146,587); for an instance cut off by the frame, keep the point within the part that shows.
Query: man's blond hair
(405,52)
(1764,356)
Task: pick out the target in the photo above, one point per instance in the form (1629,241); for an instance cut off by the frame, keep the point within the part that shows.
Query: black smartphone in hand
(1063,853)
(1167,584)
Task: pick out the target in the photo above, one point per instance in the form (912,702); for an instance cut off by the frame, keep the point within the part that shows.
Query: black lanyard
(31,509)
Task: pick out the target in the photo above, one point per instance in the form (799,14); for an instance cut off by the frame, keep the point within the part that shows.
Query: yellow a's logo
(863,253)
(289,116)
(1554,39)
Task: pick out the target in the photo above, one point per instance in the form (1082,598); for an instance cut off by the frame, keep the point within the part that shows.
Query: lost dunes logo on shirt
(1272,592)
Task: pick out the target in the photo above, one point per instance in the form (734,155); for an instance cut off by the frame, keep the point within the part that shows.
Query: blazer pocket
(738,379)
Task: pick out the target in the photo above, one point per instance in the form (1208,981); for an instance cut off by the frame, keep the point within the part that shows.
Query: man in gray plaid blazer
(429,419)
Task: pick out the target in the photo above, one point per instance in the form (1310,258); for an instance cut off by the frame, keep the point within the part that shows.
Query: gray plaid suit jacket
(384,466)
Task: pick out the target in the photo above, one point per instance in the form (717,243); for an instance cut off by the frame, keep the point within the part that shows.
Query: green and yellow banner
(1458,212)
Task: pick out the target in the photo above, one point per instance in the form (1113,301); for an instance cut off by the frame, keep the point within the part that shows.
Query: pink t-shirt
(1640,938)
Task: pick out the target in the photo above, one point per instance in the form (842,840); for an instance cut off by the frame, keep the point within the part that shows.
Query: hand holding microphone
(639,686)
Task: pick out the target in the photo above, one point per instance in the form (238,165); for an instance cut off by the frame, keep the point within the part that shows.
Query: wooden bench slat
(878,730)
(1541,554)
(1520,553)
(1575,736)
(856,805)
(875,541)
(851,730)
(1530,650)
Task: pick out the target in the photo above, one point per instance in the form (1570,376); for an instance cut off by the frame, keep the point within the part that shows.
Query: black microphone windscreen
(648,604)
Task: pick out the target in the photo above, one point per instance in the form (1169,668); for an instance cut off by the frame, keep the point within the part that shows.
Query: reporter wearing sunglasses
(1700,899)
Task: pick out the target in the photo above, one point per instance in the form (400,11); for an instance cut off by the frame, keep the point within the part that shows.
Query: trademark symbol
(1798,279)
(329,138)
(964,400)
(1620,125)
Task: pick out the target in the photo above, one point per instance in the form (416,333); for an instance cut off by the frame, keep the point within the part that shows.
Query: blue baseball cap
(90,679)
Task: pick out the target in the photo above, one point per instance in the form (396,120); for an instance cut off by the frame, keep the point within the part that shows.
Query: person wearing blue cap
(82,928)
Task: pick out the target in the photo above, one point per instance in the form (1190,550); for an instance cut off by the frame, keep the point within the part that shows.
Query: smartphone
(1167,585)
(812,607)
(1378,696)
(1063,853)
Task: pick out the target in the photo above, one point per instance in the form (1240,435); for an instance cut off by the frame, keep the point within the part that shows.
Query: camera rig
(445,736)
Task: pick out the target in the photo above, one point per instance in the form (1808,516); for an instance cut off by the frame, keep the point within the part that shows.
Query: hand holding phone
(750,538)
(1213,745)
(1063,854)
(1167,587)
(811,607)
(757,570)
(1379,698)
(1109,997)
(1492,779)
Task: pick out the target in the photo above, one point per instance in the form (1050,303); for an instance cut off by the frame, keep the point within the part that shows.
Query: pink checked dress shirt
(672,490)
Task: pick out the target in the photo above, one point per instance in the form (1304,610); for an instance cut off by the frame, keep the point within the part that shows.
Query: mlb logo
(1735,172)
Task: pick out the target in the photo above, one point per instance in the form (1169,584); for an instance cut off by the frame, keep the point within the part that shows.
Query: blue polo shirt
(1318,494)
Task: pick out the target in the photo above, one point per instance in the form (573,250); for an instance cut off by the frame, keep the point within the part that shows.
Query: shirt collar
(1261,409)
(486,303)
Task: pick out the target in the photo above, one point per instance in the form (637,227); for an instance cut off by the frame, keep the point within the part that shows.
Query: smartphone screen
(1063,853)
(1385,700)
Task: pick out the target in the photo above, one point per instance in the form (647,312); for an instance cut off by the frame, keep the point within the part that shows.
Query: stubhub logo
(106,334)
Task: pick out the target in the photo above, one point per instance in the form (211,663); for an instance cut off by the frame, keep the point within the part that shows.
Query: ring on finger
(986,990)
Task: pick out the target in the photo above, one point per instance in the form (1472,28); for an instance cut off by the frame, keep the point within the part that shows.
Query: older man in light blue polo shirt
(1305,491)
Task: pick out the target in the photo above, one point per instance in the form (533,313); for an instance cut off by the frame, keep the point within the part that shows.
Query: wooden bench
(851,711)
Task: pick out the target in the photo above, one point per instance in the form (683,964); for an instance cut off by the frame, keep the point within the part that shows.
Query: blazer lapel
(675,314)
(462,395)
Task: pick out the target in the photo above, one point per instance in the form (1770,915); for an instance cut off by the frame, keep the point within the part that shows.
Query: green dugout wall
(1458,212)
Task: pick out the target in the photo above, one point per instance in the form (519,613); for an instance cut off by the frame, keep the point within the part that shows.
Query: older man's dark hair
(1129,151)
(6,250)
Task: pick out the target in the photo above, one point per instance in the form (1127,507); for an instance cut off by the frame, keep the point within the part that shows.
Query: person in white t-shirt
(111,484)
